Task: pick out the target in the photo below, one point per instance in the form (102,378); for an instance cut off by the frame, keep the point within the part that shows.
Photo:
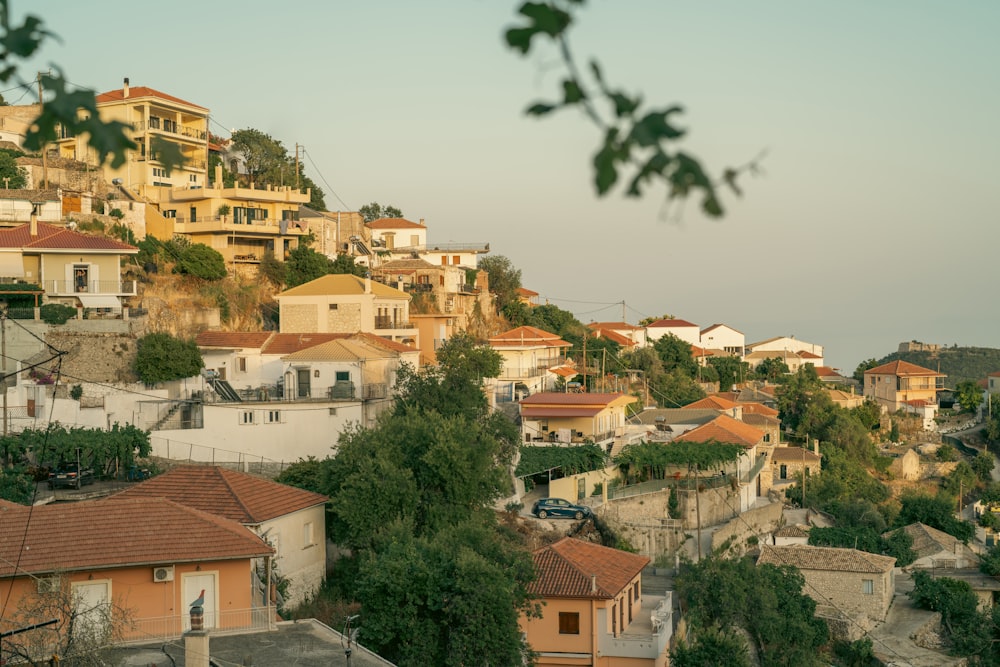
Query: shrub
(203,262)
(946,453)
(116,213)
(56,313)
(161,357)
(223,210)
(76,392)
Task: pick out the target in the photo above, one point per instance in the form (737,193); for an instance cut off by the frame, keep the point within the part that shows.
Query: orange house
(144,558)
(594,610)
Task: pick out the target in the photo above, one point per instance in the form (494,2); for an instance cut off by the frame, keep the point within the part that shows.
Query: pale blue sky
(876,221)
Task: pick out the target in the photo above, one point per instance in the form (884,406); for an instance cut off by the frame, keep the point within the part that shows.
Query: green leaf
(519,39)
(655,126)
(168,153)
(729,176)
(572,93)
(540,109)
(656,165)
(595,69)
(544,19)
(605,170)
(624,105)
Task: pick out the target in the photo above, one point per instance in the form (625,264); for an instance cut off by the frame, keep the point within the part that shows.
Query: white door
(193,586)
(91,600)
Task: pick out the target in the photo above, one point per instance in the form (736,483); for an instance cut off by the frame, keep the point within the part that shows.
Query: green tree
(161,357)
(859,372)
(504,281)
(12,176)
(675,354)
(375,211)
(346,264)
(634,137)
(200,261)
(17,485)
(771,369)
(711,647)
(263,156)
(797,393)
(969,395)
(934,511)
(271,269)
(732,371)
(983,464)
(675,389)
(305,264)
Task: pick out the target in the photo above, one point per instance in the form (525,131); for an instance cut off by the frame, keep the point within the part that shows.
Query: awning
(11,265)
(99,301)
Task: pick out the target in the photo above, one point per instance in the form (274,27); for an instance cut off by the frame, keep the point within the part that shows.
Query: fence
(230,621)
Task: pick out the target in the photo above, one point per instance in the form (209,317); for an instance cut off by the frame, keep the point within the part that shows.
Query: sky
(875,220)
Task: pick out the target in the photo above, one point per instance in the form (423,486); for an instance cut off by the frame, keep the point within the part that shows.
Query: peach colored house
(150,556)
(634,333)
(528,297)
(900,385)
(725,429)
(569,419)
(292,520)
(528,354)
(594,611)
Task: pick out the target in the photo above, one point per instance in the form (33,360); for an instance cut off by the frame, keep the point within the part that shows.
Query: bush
(116,213)
(161,357)
(946,453)
(200,261)
(56,313)
(76,392)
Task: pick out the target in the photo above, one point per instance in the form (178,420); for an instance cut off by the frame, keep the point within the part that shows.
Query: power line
(323,178)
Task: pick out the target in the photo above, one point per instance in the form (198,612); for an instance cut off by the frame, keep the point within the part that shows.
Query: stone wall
(105,357)
(759,522)
(299,318)
(346,318)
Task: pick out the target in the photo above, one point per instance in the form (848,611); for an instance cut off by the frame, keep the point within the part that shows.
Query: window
(456,260)
(783,472)
(343,376)
(272,416)
(614,621)
(333,306)
(307,535)
(246,417)
(241,364)
(569,623)
(868,586)
(636,588)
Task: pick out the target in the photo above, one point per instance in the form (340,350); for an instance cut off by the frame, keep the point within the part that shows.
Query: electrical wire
(323,178)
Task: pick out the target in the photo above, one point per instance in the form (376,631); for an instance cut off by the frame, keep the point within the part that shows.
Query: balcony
(388,323)
(285,194)
(92,287)
(444,247)
(229,621)
(166,126)
(646,637)
(210,224)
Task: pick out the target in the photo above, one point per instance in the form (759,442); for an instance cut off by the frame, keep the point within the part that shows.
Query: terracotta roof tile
(826,371)
(620,326)
(791,531)
(794,455)
(928,541)
(902,369)
(561,399)
(233,495)
(753,408)
(394,223)
(526,335)
(117,532)
(716,326)
(572,568)
(341,350)
(22,194)
(725,429)
(524,291)
(614,336)
(136,92)
(58,238)
(825,558)
(712,403)
(288,343)
(805,354)
(342,284)
(233,339)
(670,324)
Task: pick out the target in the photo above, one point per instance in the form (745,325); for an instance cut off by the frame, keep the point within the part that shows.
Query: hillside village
(262,438)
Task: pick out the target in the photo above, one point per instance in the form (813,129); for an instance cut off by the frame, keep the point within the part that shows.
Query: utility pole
(623,310)
(585,361)
(297,165)
(697,508)
(45,164)
(3,364)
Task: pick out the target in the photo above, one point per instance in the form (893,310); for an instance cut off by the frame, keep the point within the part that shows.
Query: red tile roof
(58,238)
(233,339)
(615,337)
(136,92)
(826,372)
(108,533)
(233,495)
(713,403)
(572,568)
(564,371)
(524,291)
(288,343)
(394,223)
(621,326)
(805,354)
(668,324)
(758,409)
(526,335)
(556,404)
(724,429)
(794,455)
(902,369)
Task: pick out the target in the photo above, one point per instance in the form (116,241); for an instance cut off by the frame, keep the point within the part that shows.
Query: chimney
(34,222)
(196,650)
(125,89)
(593,583)
(368,285)
(218,175)
(816,446)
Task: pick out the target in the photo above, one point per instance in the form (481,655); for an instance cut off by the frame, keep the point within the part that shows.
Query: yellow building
(899,384)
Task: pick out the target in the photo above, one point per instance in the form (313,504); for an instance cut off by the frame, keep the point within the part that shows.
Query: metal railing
(94,287)
(445,247)
(389,323)
(230,621)
(170,127)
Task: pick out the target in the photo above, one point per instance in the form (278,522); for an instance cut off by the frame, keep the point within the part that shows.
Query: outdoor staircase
(225,391)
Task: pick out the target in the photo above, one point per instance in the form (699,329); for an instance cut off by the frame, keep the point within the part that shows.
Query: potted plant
(223,211)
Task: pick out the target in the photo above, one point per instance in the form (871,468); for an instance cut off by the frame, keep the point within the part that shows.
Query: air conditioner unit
(165,573)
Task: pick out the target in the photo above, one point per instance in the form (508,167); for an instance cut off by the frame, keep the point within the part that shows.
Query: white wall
(303,565)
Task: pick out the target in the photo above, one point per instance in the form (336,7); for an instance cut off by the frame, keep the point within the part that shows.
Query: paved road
(892,639)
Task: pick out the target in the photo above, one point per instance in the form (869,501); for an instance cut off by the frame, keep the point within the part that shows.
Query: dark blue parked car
(557,507)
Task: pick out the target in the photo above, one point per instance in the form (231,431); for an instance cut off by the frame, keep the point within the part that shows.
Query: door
(302,377)
(91,601)
(194,584)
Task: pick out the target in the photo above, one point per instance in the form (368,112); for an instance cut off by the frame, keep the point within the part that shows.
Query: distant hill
(958,363)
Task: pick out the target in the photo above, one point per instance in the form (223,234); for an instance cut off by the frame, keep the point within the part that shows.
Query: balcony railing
(170,127)
(389,323)
(229,621)
(444,247)
(93,287)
